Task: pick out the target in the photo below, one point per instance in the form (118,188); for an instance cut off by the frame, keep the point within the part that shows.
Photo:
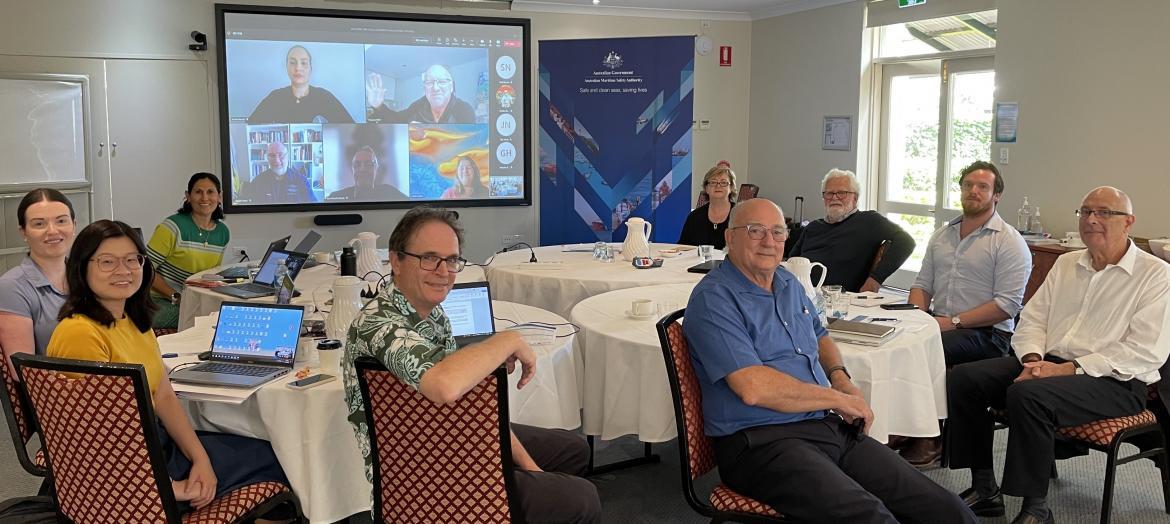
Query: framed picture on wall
(837,133)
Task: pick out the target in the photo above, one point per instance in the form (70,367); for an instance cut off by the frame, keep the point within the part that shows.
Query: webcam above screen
(327,110)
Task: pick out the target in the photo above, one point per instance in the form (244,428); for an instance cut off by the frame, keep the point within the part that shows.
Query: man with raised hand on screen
(1090,339)
(278,184)
(364,166)
(407,330)
(438,105)
(299,102)
(787,421)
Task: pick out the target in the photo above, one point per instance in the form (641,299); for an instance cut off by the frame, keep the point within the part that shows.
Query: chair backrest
(16,411)
(703,199)
(101,440)
(697,454)
(747,192)
(434,462)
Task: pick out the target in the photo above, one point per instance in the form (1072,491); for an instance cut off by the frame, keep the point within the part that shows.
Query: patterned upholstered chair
(438,463)
(747,192)
(20,424)
(1107,436)
(98,427)
(696,453)
(702,200)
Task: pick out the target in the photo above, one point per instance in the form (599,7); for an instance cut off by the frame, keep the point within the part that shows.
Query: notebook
(253,344)
(860,333)
(242,271)
(469,308)
(265,283)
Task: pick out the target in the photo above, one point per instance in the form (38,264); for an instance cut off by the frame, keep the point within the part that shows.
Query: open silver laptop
(253,344)
(265,283)
(469,308)
(242,271)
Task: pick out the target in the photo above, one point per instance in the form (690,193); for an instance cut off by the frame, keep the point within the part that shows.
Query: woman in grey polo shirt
(32,293)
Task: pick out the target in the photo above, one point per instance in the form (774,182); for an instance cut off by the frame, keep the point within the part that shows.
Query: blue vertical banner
(615,137)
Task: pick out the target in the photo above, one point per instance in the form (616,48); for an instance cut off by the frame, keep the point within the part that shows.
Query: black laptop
(469,308)
(242,271)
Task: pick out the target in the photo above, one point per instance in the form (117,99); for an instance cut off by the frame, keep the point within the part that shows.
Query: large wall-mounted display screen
(325,109)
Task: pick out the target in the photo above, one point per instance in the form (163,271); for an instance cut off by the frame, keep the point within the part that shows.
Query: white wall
(1092,81)
(805,66)
(158,29)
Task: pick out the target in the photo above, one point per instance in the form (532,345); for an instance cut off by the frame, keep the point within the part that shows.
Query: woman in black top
(706,224)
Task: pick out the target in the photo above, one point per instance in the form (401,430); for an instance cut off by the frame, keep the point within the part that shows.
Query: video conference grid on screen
(351,110)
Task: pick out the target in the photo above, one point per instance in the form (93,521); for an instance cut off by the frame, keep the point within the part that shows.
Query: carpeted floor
(652,493)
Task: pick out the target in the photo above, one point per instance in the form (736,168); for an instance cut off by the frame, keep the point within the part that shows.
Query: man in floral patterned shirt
(408,331)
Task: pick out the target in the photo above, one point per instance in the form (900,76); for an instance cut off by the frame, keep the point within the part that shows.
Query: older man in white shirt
(1088,342)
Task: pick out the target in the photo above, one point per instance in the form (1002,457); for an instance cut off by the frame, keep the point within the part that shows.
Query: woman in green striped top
(187,242)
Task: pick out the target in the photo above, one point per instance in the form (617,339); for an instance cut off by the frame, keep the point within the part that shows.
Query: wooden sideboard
(1044,256)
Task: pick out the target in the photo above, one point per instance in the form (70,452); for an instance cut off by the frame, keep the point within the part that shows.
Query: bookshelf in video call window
(304,149)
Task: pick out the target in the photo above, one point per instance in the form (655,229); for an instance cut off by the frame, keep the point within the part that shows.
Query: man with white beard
(277,184)
(847,240)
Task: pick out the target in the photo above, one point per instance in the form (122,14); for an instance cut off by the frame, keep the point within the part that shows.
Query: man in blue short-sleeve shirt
(788,423)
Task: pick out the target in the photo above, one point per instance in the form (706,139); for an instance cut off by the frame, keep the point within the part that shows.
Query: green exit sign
(910,3)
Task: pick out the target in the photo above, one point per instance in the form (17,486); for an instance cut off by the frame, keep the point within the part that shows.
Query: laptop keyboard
(234,369)
(253,287)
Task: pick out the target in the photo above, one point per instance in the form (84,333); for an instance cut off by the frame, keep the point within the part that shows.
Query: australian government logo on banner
(614,137)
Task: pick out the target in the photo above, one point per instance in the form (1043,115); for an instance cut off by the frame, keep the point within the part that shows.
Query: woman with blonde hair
(706,224)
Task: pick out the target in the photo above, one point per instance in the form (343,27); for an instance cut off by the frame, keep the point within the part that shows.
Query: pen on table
(883,320)
(170,355)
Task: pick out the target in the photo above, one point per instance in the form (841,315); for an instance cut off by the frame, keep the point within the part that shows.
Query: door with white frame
(936,118)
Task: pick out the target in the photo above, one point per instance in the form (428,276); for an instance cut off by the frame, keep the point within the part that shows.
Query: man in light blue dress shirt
(974,272)
(972,280)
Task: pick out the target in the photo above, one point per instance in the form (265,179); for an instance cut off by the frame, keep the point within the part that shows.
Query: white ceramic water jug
(801,268)
(347,302)
(367,256)
(637,242)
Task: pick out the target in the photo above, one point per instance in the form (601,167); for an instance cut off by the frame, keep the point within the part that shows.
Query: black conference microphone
(518,244)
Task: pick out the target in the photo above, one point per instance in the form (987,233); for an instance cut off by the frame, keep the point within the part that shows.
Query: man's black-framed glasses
(827,195)
(454,263)
(1101,214)
(757,232)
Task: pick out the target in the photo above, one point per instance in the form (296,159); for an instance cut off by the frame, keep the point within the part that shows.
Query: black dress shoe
(984,506)
(1028,518)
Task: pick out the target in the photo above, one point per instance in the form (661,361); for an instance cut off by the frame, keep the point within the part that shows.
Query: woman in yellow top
(107,318)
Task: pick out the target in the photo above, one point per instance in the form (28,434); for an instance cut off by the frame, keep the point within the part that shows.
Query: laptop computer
(469,308)
(265,282)
(253,344)
(242,271)
(704,267)
(306,245)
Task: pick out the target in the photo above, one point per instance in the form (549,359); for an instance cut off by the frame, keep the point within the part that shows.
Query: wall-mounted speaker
(337,220)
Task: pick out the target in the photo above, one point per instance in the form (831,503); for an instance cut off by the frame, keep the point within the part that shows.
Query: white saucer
(1072,246)
(668,254)
(647,316)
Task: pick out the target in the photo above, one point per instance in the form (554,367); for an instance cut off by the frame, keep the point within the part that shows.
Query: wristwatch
(956,322)
(175,297)
(1078,370)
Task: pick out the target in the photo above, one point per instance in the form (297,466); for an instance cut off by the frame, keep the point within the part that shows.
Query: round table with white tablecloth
(561,279)
(626,391)
(312,438)
(313,283)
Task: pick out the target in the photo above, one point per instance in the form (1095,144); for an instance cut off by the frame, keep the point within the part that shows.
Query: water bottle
(1024,217)
(283,283)
(1037,225)
(348,262)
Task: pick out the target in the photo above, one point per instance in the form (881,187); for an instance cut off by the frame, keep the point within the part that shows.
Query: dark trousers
(822,470)
(970,344)
(1035,409)
(236,460)
(559,493)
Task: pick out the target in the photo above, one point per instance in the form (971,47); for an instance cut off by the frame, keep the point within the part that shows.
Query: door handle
(101,148)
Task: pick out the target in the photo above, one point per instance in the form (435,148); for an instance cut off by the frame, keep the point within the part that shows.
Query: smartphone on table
(312,381)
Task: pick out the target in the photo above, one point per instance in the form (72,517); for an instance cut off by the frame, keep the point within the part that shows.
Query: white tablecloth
(579,276)
(314,281)
(313,440)
(626,391)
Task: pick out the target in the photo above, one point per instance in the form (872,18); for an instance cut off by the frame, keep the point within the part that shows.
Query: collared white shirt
(991,263)
(1112,322)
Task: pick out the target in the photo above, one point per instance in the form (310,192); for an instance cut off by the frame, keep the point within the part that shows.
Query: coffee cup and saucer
(642,309)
